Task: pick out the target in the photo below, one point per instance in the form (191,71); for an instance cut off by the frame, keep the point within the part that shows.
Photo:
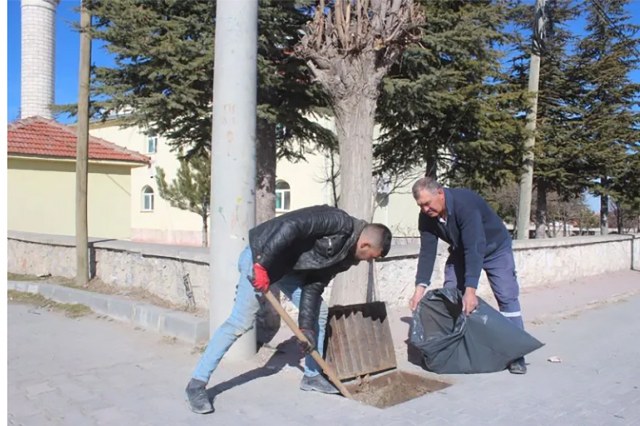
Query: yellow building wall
(308,180)
(165,224)
(401,213)
(41,198)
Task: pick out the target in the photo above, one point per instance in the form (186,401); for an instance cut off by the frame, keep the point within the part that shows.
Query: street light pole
(233,157)
(526,179)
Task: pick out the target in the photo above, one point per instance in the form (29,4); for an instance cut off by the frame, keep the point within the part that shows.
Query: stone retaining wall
(160,269)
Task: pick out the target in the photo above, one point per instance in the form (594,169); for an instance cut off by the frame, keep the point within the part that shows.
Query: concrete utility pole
(526,179)
(82,150)
(233,165)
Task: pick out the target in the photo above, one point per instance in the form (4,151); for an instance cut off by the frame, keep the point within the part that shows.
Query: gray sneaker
(317,383)
(197,397)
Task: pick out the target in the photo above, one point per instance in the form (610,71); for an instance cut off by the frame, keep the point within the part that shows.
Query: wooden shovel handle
(294,327)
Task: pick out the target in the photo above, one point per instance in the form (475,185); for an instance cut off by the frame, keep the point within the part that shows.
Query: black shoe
(317,383)
(197,397)
(518,367)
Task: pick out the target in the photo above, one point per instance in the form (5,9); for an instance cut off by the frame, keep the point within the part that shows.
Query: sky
(67,56)
(68,48)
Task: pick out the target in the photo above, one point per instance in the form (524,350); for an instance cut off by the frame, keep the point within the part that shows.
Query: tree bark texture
(268,320)
(354,123)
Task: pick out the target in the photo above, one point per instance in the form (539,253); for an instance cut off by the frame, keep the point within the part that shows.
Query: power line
(603,14)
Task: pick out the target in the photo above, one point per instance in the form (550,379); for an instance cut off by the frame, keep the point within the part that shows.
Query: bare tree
(350,45)
(385,185)
(331,175)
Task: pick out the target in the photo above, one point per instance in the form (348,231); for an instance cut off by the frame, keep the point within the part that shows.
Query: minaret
(38,53)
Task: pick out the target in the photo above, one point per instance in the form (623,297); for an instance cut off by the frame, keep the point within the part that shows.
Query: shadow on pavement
(287,353)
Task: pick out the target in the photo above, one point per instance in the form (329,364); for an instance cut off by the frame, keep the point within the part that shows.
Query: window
(147,199)
(283,196)
(152,144)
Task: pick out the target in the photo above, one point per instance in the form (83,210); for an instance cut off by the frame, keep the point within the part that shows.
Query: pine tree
(163,79)
(446,107)
(190,190)
(609,133)
(625,191)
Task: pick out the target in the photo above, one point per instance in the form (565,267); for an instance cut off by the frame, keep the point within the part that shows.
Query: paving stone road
(93,371)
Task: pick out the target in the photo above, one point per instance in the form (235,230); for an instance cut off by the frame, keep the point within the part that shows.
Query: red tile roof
(40,137)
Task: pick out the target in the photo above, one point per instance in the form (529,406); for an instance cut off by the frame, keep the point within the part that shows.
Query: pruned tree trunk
(349,46)
(541,211)
(354,122)
(268,320)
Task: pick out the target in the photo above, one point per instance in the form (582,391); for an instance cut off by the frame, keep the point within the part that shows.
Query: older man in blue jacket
(477,240)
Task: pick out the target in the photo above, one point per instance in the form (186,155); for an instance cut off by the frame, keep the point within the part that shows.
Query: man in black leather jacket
(300,252)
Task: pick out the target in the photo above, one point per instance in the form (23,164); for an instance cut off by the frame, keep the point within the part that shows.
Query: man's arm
(309,308)
(426,261)
(426,258)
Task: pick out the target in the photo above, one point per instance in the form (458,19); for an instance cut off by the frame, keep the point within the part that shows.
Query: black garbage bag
(451,342)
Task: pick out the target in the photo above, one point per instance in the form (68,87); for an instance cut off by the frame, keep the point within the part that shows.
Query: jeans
(243,318)
(501,272)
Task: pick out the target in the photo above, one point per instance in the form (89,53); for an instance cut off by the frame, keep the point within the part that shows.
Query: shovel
(316,356)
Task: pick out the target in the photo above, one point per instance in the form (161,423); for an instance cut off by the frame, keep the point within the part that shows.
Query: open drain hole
(393,388)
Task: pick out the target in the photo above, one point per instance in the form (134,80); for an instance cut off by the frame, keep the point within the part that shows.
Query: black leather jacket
(315,243)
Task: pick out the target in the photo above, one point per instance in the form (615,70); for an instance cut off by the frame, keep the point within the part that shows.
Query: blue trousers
(501,272)
(243,318)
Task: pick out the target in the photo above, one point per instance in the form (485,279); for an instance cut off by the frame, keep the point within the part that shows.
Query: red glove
(260,278)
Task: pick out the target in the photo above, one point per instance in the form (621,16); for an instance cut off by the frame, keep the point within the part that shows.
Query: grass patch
(98,286)
(71,310)
(46,278)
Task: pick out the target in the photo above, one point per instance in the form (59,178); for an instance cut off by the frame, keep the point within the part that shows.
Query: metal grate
(359,340)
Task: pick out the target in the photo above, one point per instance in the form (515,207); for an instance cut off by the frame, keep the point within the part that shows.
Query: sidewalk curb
(180,325)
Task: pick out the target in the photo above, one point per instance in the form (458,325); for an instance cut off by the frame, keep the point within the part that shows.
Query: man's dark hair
(380,235)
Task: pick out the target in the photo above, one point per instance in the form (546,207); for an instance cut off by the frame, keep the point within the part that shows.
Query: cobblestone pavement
(92,371)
